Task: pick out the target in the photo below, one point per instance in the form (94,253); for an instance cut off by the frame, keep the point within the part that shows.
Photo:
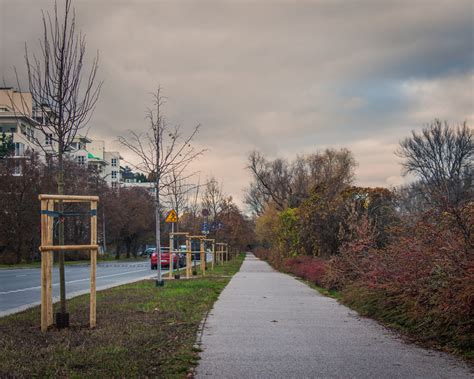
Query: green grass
(142,331)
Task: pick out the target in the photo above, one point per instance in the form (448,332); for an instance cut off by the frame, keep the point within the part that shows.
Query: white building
(112,175)
(17,119)
(16,122)
(149,186)
(111,171)
(80,151)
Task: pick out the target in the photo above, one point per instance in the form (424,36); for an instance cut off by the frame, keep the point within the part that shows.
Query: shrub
(306,267)
(422,281)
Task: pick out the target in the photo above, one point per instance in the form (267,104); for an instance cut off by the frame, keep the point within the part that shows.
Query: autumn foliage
(414,271)
(421,279)
(308,268)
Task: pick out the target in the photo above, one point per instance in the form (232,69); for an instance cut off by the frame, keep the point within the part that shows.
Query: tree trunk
(158,233)
(62,279)
(128,245)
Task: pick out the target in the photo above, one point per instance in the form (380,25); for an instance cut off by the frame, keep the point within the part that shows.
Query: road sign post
(171,252)
(172,218)
(203,257)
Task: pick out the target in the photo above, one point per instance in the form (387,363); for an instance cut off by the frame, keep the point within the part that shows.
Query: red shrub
(306,267)
(423,280)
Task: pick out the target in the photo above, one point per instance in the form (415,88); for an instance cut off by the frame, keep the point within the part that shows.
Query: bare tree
(162,152)
(442,157)
(272,178)
(178,192)
(61,94)
(287,184)
(213,198)
(255,199)
(194,205)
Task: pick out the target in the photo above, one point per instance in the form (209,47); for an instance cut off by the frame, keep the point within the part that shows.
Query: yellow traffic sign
(172,216)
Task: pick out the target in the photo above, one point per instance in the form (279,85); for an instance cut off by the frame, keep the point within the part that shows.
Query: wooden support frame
(222,252)
(213,251)
(188,254)
(47,248)
(202,252)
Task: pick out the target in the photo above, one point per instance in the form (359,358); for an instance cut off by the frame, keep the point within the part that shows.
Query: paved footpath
(270,325)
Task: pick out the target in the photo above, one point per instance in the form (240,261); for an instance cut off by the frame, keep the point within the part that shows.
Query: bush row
(421,281)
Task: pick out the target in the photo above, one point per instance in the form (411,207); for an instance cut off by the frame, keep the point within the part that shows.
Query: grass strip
(142,331)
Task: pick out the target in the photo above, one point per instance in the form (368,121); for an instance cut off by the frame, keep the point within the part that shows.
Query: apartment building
(111,171)
(20,120)
(16,121)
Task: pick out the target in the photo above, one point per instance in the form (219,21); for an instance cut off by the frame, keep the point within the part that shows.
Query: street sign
(205,228)
(205,212)
(172,216)
(217,225)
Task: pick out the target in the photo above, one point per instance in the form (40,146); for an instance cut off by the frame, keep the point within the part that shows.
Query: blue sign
(217,225)
(205,228)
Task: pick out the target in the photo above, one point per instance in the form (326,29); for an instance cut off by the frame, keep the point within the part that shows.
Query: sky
(280,77)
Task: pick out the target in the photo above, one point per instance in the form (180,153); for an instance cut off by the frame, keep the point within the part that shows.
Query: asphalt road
(269,325)
(21,288)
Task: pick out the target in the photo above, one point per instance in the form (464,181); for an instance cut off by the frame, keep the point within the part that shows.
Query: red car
(165,260)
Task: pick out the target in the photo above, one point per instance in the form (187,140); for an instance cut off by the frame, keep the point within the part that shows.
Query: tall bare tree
(62,94)
(442,157)
(162,151)
(213,198)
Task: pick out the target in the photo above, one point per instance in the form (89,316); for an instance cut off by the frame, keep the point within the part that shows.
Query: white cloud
(281,77)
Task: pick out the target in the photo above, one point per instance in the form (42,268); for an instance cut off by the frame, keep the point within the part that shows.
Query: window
(17,169)
(81,160)
(19,149)
(114,185)
(7,128)
(27,131)
(114,174)
(114,162)
(48,140)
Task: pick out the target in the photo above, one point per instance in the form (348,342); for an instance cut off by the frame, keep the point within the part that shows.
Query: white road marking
(72,281)
(19,276)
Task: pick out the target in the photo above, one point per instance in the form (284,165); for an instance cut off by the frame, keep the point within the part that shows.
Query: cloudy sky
(282,77)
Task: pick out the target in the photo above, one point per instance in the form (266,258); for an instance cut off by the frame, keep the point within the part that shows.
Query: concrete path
(269,325)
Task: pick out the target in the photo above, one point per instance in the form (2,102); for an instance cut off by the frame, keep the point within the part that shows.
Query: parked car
(147,253)
(165,260)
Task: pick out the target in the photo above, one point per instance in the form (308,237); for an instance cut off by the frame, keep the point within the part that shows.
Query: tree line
(126,216)
(403,255)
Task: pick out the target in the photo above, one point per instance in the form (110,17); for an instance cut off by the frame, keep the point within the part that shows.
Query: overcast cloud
(283,77)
